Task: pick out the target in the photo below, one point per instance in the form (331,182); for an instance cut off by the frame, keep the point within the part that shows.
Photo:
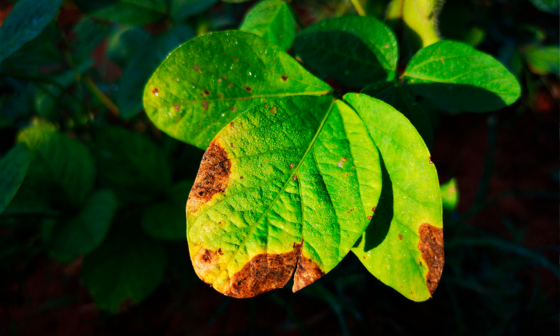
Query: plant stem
(101,96)
(358,7)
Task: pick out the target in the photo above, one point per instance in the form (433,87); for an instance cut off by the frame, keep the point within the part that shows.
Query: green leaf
(60,163)
(272,20)
(165,221)
(403,245)
(85,232)
(180,10)
(354,50)
(208,81)
(543,60)
(458,77)
(291,182)
(145,61)
(126,267)
(13,167)
(131,165)
(450,195)
(398,97)
(549,6)
(25,22)
(129,12)
(89,33)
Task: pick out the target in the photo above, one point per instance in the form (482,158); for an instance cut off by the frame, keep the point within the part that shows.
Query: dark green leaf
(398,97)
(180,10)
(123,44)
(354,50)
(89,33)
(208,81)
(272,20)
(145,61)
(165,221)
(549,6)
(456,76)
(130,12)
(405,235)
(126,267)
(180,192)
(26,21)
(85,232)
(13,168)
(60,162)
(131,164)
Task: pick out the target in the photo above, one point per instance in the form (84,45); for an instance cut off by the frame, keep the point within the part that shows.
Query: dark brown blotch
(307,273)
(205,105)
(284,78)
(213,176)
(248,88)
(263,273)
(431,247)
(207,92)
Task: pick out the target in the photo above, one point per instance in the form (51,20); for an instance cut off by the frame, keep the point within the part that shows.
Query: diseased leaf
(398,97)
(13,167)
(59,163)
(286,187)
(458,77)
(83,233)
(131,165)
(27,19)
(450,195)
(128,266)
(354,50)
(403,245)
(208,81)
(129,12)
(145,61)
(180,10)
(272,20)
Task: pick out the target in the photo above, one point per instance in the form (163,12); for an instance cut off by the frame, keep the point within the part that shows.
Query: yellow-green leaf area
(273,20)
(208,81)
(403,246)
(285,188)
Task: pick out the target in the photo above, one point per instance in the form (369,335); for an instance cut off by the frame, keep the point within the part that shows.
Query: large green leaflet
(354,50)
(209,80)
(26,21)
(290,183)
(458,77)
(405,236)
(13,168)
(273,20)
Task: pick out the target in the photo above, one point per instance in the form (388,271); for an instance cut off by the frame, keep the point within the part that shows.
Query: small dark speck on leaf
(232,124)
(284,78)
(294,177)
(241,177)
(369,217)
(202,94)
(421,264)
(155,91)
(364,257)
(205,105)
(373,209)
(220,251)
(230,86)
(233,108)
(248,89)
(207,92)
(196,67)
(177,107)
(232,146)
(291,166)
(400,237)
(220,95)
(273,110)
(201,193)
(431,162)
(349,211)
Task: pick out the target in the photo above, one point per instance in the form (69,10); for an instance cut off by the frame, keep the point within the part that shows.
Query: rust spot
(201,94)
(284,78)
(230,86)
(349,211)
(207,92)
(212,178)
(369,217)
(400,237)
(266,105)
(364,257)
(241,177)
(196,67)
(155,91)
(220,95)
(294,177)
(208,256)
(263,273)
(273,110)
(232,124)
(431,247)
(233,108)
(307,273)
(205,105)
(177,107)
(220,251)
(373,209)
(421,264)
(248,88)
(431,160)
(291,166)
(341,162)
(232,146)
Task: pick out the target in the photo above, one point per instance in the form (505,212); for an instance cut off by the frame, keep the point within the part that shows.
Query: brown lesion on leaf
(205,105)
(284,78)
(307,273)
(263,273)
(212,178)
(248,88)
(431,247)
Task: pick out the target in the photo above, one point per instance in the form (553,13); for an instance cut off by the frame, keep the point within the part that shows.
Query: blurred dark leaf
(123,44)
(141,67)
(129,12)
(26,21)
(180,10)
(13,167)
(85,232)
(89,33)
(549,6)
(128,266)
(59,162)
(272,20)
(131,164)
(543,60)
(180,192)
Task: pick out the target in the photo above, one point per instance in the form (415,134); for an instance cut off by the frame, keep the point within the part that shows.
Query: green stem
(358,7)
(101,96)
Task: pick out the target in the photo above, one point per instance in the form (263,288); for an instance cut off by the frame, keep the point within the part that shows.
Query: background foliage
(92,199)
